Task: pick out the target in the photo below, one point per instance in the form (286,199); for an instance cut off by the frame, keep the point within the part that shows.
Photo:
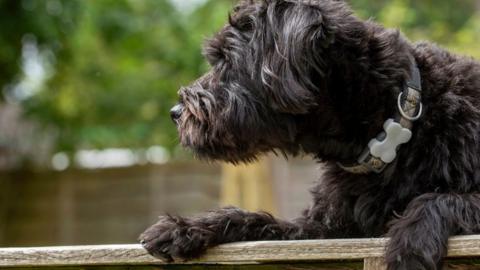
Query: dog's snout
(176,112)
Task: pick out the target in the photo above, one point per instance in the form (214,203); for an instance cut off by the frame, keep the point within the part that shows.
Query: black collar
(382,150)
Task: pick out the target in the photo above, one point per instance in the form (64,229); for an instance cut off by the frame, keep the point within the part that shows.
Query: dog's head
(267,83)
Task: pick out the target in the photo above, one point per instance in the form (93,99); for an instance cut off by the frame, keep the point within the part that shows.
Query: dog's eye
(217,59)
(213,53)
(213,60)
(242,23)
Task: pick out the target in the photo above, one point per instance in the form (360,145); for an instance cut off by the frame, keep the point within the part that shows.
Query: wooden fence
(85,207)
(344,254)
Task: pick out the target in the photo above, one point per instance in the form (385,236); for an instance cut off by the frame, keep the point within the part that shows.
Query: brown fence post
(248,186)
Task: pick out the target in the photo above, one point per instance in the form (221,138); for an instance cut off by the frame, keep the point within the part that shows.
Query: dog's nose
(176,112)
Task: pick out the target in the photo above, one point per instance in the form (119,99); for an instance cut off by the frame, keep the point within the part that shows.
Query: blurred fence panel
(99,206)
(115,205)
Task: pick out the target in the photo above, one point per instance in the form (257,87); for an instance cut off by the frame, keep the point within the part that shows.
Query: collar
(382,150)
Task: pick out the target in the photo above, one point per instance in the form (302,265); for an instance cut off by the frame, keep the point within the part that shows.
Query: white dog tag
(386,150)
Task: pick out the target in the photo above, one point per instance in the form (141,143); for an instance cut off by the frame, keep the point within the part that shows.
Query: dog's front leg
(419,238)
(175,237)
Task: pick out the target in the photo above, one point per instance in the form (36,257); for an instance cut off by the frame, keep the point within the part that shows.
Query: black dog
(310,77)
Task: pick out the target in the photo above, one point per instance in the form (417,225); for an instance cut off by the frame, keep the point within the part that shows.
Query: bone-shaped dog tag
(386,150)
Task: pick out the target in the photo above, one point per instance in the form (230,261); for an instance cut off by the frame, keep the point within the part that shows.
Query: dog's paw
(176,239)
(409,252)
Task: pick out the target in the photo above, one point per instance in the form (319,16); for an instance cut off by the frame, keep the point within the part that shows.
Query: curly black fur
(310,77)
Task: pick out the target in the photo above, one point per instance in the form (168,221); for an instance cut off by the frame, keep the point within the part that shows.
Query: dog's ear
(294,35)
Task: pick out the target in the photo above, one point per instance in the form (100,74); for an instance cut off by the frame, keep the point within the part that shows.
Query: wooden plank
(374,264)
(250,252)
(461,265)
(236,253)
(310,266)
(292,266)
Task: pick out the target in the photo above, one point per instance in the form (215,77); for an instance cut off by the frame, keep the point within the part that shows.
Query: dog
(396,124)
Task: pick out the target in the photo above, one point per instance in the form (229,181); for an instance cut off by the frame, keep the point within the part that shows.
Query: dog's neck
(382,150)
(365,78)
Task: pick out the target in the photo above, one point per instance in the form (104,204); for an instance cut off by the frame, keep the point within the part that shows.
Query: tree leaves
(118,63)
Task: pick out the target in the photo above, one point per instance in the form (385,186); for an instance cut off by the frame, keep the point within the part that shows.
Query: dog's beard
(209,142)
(222,126)
(197,124)
(203,128)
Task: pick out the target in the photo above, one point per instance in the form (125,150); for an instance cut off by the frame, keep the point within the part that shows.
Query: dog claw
(170,240)
(163,257)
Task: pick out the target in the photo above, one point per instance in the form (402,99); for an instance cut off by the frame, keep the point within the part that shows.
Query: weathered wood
(459,265)
(310,266)
(249,252)
(253,253)
(374,264)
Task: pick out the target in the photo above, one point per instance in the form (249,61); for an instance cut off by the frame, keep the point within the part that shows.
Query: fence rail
(308,254)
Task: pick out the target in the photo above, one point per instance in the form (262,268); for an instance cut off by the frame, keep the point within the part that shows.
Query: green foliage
(118,70)
(118,63)
(453,24)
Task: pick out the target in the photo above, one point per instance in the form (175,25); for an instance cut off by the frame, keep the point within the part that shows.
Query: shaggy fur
(310,77)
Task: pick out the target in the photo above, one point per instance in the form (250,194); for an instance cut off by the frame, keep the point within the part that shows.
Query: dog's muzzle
(176,112)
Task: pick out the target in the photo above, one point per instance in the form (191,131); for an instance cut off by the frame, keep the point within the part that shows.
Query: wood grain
(374,264)
(236,253)
(310,266)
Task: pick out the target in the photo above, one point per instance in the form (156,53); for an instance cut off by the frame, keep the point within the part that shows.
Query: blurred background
(88,154)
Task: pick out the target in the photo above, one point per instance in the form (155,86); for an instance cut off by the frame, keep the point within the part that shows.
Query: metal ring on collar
(405,115)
